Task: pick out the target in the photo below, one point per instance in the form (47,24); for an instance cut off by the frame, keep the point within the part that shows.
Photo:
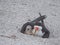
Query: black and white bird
(36,27)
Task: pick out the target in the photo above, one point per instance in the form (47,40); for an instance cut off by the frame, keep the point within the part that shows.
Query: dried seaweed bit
(12,36)
(4,36)
(29,20)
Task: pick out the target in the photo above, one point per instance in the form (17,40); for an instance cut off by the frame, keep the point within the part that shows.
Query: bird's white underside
(34,32)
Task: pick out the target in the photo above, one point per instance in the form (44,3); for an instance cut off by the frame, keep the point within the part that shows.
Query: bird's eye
(27,29)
